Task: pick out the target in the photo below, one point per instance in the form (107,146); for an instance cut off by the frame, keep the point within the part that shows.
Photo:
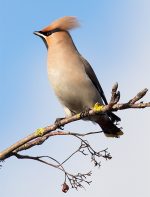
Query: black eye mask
(48,33)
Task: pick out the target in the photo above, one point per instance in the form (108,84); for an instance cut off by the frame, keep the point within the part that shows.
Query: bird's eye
(48,33)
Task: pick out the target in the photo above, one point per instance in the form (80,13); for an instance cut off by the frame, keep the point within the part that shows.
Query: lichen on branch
(39,136)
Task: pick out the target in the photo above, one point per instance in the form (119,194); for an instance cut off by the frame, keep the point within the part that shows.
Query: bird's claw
(57,123)
(85,113)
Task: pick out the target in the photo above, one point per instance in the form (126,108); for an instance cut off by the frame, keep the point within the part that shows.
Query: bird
(72,77)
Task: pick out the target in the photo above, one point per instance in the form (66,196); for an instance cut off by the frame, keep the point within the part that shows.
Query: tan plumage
(65,23)
(72,77)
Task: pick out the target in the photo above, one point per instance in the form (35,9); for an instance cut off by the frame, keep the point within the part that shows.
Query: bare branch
(140,95)
(39,136)
(42,132)
(76,180)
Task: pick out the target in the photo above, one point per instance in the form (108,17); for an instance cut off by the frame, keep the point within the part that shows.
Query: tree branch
(42,134)
(39,136)
(75,180)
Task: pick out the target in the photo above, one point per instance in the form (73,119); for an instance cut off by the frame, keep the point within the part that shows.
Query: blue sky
(115,38)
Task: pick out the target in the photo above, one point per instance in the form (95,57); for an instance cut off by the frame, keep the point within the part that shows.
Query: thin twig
(42,132)
(39,136)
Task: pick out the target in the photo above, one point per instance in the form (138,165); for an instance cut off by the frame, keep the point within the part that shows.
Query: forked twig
(39,136)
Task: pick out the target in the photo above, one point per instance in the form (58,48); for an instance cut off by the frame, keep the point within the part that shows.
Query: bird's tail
(108,127)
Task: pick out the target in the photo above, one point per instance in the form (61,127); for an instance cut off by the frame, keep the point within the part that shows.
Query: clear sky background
(115,38)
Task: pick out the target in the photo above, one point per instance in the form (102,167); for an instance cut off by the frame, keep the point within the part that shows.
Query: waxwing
(72,77)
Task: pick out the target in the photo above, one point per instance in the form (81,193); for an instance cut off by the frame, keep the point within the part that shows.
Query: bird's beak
(38,33)
(41,35)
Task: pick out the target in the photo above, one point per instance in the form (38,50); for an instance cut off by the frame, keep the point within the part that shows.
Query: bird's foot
(85,112)
(57,123)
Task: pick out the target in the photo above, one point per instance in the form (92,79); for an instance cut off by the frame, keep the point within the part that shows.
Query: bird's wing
(91,74)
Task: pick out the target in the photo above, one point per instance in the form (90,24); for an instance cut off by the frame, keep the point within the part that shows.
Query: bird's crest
(65,23)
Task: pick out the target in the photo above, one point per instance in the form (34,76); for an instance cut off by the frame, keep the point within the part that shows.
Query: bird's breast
(71,83)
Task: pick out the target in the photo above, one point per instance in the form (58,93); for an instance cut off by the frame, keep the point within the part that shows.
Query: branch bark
(39,136)
(42,134)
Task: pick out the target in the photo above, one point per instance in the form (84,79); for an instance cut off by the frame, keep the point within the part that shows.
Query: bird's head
(61,25)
